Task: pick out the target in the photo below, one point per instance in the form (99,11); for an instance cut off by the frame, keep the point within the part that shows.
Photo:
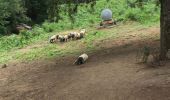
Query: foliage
(76,13)
(36,10)
(85,16)
(12,13)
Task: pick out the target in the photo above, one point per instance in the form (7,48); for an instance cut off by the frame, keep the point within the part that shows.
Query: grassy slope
(42,49)
(33,44)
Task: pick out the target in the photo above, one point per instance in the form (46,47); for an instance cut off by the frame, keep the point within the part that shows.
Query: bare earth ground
(110,74)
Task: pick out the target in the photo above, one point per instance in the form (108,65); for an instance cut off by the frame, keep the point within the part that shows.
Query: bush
(149,12)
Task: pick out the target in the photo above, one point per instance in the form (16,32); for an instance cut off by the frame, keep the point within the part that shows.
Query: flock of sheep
(69,36)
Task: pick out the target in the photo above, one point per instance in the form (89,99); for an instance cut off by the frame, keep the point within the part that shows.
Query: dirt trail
(109,74)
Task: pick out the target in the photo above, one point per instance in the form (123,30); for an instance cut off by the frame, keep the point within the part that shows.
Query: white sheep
(53,38)
(72,35)
(79,35)
(66,38)
(81,59)
(62,38)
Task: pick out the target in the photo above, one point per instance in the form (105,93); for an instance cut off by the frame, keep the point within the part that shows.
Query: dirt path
(110,74)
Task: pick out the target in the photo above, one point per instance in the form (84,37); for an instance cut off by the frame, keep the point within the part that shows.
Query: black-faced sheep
(81,59)
(63,38)
(71,35)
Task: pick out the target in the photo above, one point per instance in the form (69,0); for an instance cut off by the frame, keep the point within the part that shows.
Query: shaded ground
(110,74)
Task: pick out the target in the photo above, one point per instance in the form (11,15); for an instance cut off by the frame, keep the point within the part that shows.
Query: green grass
(11,47)
(46,50)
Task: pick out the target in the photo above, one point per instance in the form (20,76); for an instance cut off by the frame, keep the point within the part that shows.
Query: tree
(12,13)
(71,7)
(165,28)
(4,14)
(36,10)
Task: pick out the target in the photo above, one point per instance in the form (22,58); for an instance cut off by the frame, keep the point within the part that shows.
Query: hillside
(111,72)
(33,44)
(41,48)
(32,68)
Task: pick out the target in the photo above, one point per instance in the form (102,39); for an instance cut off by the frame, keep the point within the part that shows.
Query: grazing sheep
(56,38)
(79,36)
(53,38)
(61,38)
(71,35)
(81,59)
(65,38)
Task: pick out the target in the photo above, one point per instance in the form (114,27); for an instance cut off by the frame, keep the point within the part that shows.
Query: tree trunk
(165,28)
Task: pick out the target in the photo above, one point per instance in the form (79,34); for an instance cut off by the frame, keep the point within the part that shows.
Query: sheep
(65,38)
(71,35)
(82,33)
(76,35)
(61,38)
(53,38)
(79,35)
(81,59)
